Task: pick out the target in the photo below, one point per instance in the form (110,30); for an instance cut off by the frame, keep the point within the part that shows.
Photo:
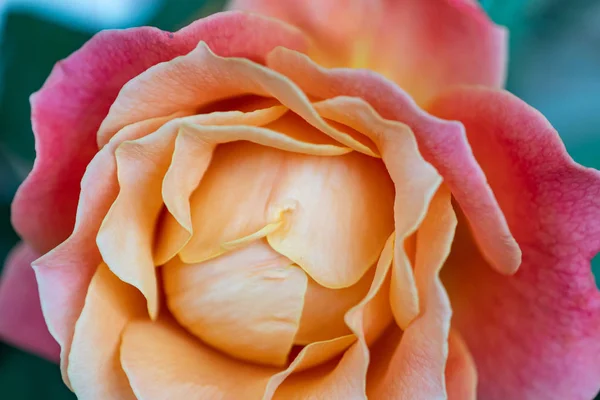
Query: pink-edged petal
(246,303)
(64,273)
(442,143)
(68,110)
(536,334)
(417,366)
(162,362)
(21,321)
(423,46)
(94,369)
(66,119)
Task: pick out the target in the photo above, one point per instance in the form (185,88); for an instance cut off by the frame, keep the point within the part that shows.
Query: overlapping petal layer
(533,335)
(424,46)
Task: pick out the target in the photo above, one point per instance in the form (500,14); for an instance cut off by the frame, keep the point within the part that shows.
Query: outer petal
(423,45)
(21,319)
(442,143)
(68,110)
(67,113)
(537,334)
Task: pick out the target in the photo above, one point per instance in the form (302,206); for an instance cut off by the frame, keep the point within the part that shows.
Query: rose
(145,125)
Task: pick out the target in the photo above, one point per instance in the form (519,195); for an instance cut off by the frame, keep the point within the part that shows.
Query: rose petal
(197,79)
(94,367)
(246,303)
(68,110)
(346,378)
(416,368)
(534,335)
(442,143)
(461,372)
(324,310)
(424,46)
(64,274)
(21,321)
(196,141)
(410,174)
(279,187)
(162,362)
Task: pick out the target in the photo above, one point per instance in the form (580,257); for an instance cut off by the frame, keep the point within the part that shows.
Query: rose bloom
(316,200)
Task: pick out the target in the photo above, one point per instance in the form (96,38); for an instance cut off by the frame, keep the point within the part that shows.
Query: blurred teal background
(554,66)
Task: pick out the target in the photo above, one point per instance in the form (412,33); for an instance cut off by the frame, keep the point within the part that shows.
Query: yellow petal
(163,362)
(416,367)
(415,182)
(246,303)
(94,368)
(324,310)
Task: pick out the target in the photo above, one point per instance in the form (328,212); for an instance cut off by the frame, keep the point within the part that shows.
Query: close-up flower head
(328,199)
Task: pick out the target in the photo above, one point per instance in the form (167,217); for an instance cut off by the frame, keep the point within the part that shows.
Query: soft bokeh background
(554,65)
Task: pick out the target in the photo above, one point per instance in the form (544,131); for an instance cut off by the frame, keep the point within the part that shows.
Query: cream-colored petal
(246,303)
(200,78)
(163,362)
(415,181)
(324,310)
(337,213)
(417,366)
(94,367)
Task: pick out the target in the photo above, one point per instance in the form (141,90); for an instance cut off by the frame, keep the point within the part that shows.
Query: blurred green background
(554,66)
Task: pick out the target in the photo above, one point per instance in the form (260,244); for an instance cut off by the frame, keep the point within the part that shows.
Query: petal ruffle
(442,143)
(66,119)
(21,321)
(423,46)
(417,367)
(536,334)
(68,110)
(94,368)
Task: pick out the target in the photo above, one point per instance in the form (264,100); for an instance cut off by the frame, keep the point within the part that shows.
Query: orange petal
(200,78)
(461,372)
(277,186)
(443,143)
(163,362)
(337,213)
(344,379)
(254,290)
(94,368)
(324,310)
(416,368)
(415,182)
(196,141)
